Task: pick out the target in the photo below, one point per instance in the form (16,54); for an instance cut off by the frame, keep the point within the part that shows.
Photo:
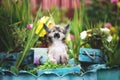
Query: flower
(105,30)
(109,38)
(114,1)
(83,34)
(48,20)
(96,37)
(108,25)
(88,2)
(36,60)
(118,4)
(29,26)
(70,37)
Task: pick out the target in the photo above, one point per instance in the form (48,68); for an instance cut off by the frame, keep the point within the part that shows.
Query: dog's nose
(56,35)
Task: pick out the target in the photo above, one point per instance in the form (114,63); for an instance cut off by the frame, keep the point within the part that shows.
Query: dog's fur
(57,48)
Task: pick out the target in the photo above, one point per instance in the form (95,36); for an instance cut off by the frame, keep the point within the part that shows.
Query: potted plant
(112,51)
(94,38)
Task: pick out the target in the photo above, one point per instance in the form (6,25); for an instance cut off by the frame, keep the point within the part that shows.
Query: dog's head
(56,32)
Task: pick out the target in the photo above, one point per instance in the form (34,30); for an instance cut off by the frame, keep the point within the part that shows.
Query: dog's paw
(64,60)
(55,62)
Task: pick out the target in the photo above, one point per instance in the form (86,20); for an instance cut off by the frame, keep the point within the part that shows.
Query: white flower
(83,34)
(109,38)
(105,30)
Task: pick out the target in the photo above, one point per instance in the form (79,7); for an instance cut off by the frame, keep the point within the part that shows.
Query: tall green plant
(76,28)
(32,38)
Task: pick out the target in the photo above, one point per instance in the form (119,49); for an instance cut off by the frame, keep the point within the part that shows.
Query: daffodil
(44,20)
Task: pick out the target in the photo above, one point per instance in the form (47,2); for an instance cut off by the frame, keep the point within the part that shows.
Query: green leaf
(14,69)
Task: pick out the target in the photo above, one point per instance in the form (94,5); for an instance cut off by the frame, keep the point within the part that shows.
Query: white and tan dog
(57,48)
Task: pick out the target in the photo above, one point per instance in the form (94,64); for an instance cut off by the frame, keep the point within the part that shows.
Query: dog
(57,48)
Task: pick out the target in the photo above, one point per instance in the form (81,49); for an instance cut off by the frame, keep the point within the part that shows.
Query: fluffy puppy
(57,48)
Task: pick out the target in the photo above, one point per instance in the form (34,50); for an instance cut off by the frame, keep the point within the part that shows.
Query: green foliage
(47,66)
(32,38)
(20,36)
(112,50)
(76,28)
(14,15)
(103,10)
(113,55)
(33,71)
(14,69)
(51,65)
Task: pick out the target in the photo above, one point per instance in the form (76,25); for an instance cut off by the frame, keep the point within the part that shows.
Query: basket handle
(92,57)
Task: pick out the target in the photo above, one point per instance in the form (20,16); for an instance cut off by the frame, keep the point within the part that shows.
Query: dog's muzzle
(56,35)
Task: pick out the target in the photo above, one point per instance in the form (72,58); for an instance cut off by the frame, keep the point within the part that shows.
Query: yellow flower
(68,38)
(118,4)
(48,20)
(112,30)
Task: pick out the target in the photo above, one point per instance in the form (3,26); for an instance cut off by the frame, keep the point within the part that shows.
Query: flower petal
(29,26)
(109,38)
(83,34)
(40,23)
(108,25)
(105,30)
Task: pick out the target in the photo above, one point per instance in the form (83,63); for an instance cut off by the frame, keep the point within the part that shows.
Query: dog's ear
(67,28)
(46,28)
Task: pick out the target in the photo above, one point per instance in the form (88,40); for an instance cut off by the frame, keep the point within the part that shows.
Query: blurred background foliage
(14,15)
(104,11)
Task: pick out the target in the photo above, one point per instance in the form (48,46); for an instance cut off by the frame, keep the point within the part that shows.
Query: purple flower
(114,1)
(108,25)
(29,26)
(36,60)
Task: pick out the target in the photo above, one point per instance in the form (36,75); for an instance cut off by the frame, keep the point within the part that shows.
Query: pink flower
(108,25)
(36,60)
(114,1)
(29,26)
(88,2)
(72,37)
